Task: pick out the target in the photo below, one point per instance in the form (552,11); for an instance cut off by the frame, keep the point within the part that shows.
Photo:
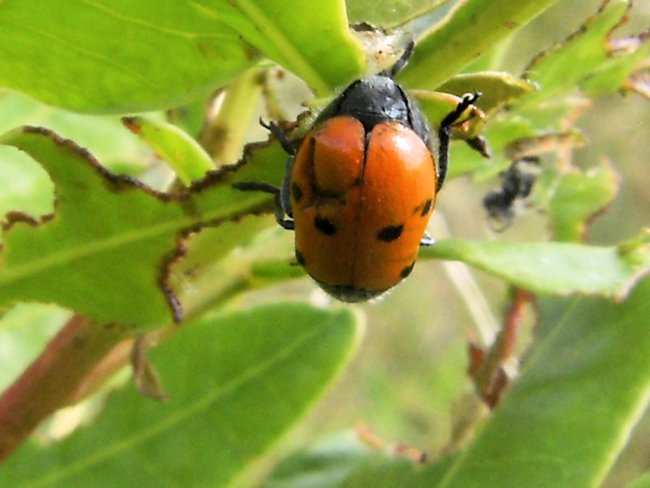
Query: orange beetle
(360,189)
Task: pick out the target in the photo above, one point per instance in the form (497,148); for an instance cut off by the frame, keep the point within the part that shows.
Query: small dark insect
(516,183)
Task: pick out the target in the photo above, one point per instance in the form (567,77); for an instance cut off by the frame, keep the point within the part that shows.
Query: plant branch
(224,134)
(53,379)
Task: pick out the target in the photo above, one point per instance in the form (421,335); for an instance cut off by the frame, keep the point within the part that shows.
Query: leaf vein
(248,376)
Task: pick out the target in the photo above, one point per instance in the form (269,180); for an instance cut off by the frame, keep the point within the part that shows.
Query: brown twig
(54,378)
(486,366)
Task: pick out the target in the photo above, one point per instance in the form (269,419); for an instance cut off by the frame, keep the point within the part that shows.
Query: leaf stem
(225,134)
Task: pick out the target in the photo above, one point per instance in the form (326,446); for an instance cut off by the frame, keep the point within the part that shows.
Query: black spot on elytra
(407,271)
(296,191)
(426,207)
(324,225)
(390,233)
(300,258)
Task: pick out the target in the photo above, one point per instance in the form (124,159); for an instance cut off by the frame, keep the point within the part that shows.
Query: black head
(377,99)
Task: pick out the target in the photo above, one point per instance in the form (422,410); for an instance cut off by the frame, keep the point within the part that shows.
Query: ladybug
(361,185)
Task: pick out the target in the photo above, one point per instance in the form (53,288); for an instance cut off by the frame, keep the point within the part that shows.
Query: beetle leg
(285,193)
(279,211)
(280,195)
(280,135)
(444,133)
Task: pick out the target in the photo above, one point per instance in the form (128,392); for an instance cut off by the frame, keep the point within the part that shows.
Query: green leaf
(437,105)
(173,145)
(583,55)
(190,117)
(544,143)
(120,56)
(345,461)
(388,473)
(240,246)
(579,396)
(102,56)
(556,114)
(106,252)
(75,259)
(23,184)
(276,270)
(626,57)
(499,132)
(105,135)
(555,268)
(224,239)
(389,13)
(470,30)
(577,197)
(312,40)
(524,265)
(497,88)
(236,383)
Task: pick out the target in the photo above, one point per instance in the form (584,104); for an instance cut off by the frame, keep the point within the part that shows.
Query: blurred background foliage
(410,374)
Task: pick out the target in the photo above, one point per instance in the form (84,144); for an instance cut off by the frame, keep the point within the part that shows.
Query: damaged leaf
(499,133)
(576,197)
(470,30)
(544,143)
(107,249)
(639,82)
(586,59)
(626,55)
